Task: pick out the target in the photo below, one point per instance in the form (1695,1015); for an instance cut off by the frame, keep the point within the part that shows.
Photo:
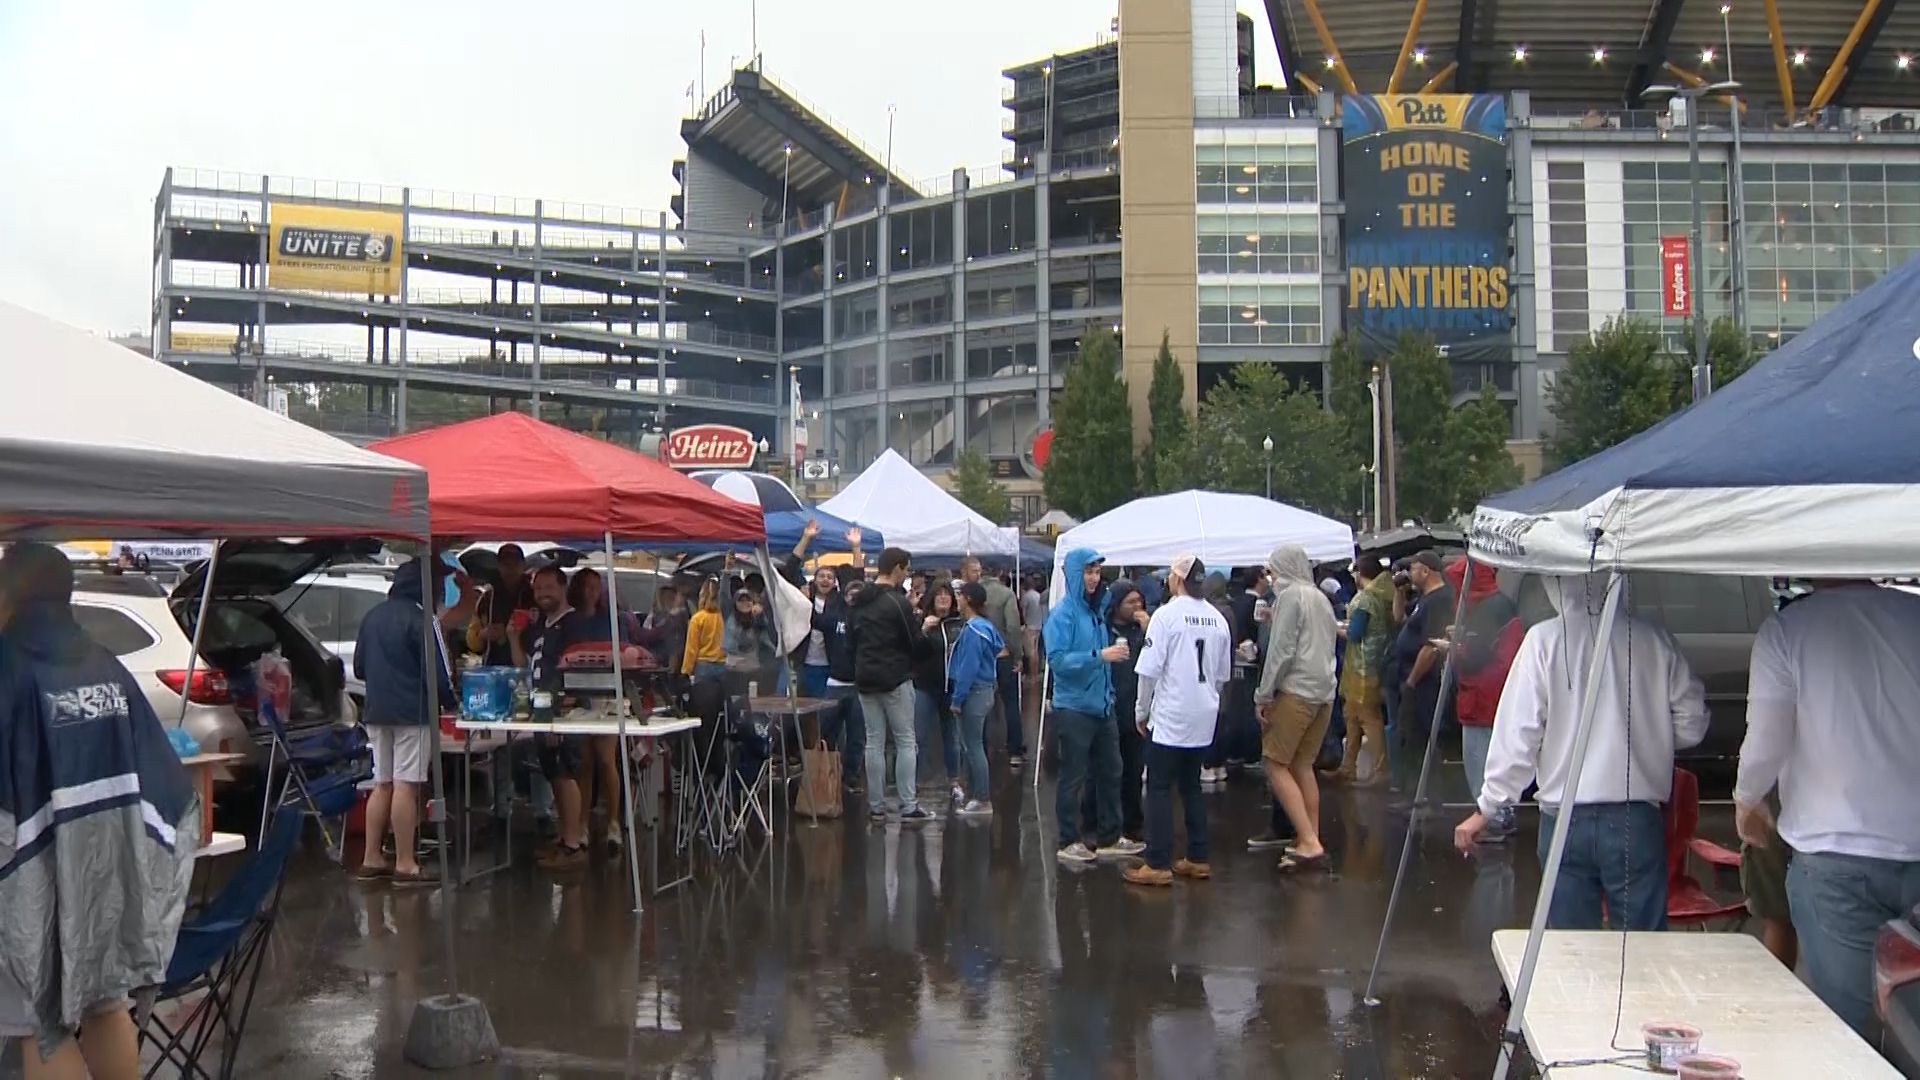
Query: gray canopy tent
(96,439)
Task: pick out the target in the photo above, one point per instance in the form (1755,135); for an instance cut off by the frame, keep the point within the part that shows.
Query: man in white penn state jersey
(1188,657)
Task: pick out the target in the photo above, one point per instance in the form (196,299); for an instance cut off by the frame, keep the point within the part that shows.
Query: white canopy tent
(1807,465)
(915,513)
(1225,530)
(97,440)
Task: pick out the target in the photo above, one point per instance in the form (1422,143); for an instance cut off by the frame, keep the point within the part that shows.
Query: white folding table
(1746,1005)
(483,733)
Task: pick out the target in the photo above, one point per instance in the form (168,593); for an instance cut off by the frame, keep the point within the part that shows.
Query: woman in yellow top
(706,655)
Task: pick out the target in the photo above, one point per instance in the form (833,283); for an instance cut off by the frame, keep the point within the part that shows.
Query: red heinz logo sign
(709,446)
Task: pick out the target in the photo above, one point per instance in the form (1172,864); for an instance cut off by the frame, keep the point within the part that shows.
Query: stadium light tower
(1692,95)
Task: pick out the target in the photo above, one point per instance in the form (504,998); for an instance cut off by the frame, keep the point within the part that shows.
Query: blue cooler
(486,693)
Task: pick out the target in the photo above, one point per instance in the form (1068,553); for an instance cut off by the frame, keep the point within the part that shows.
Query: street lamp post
(1693,95)
(1267,445)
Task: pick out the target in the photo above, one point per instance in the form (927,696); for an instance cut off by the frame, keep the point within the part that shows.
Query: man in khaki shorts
(1295,699)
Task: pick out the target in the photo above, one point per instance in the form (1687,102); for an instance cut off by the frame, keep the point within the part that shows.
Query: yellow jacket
(704,632)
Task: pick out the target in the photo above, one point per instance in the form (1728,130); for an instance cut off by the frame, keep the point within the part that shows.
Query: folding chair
(320,772)
(1688,904)
(217,957)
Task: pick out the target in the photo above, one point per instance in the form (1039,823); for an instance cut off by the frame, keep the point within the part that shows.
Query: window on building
(998,354)
(857,315)
(1000,293)
(1259,314)
(921,303)
(855,254)
(854,370)
(922,431)
(920,361)
(1000,224)
(856,438)
(1266,174)
(1000,426)
(1816,233)
(1259,242)
(922,238)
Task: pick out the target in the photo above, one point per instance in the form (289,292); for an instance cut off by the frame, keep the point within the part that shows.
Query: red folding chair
(1689,905)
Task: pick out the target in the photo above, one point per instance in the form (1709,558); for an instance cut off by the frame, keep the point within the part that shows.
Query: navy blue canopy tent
(1807,465)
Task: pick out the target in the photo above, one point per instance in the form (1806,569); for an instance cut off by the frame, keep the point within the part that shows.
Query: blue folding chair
(319,772)
(218,956)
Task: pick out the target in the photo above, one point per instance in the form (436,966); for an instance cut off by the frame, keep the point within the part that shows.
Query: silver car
(146,623)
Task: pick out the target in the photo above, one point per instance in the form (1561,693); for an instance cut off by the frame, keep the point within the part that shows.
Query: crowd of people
(1164,680)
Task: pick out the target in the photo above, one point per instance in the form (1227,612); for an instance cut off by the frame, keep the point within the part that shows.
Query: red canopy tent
(510,475)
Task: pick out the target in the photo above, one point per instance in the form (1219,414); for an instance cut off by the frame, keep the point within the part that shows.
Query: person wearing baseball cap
(1188,657)
(1418,663)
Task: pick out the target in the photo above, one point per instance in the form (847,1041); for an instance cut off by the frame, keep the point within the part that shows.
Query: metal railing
(1714,117)
(1271,106)
(421,199)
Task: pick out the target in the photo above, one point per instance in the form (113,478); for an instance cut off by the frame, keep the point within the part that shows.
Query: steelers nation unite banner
(1425,179)
(328,249)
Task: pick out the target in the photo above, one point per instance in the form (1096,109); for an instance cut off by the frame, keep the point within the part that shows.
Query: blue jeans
(1475,743)
(1168,768)
(813,680)
(1595,868)
(892,712)
(1839,903)
(1089,754)
(1009,685)
(845,728)
(973,739)
(935,724)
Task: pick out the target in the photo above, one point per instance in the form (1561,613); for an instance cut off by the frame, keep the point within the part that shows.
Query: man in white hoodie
(1649,704)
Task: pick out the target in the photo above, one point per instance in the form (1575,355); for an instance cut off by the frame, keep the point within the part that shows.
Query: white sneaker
(959,794)
(976,808)
(1075,853)
(1128,847)
(1117,850)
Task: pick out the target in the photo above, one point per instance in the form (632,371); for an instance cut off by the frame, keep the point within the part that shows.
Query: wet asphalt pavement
(955,949)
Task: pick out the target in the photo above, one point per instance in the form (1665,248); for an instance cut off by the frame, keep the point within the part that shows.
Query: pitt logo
(1415,112)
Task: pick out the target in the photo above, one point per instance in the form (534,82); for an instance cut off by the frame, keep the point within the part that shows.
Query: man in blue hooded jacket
(1079,648)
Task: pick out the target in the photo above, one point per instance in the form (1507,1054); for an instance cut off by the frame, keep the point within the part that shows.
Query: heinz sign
(709,446)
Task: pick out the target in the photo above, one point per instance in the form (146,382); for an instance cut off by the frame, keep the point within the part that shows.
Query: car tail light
(207,688)
(1896,961)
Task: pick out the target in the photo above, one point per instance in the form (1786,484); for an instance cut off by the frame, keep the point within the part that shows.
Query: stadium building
(1504,177)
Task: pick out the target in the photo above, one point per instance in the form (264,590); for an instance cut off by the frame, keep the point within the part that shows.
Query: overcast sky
(567,99)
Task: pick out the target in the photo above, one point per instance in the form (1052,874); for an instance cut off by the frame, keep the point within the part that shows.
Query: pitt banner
(1426,228)
(332,250)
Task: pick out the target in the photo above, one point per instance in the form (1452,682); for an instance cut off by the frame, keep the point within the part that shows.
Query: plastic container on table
(542,701)
(486,693)
(1667,1042)
(1709,1067)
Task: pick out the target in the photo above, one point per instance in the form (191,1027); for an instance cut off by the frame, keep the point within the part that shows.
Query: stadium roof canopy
(1605,53)
(748,127)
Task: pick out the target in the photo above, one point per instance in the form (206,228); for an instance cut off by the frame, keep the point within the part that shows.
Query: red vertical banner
(1676,281)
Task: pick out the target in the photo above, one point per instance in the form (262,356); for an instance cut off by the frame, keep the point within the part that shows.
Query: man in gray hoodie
(1295,698)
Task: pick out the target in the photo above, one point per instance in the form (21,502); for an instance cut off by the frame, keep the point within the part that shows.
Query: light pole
(1267,445)
(1692,95)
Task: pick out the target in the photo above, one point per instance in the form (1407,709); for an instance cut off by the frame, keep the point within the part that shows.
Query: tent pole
(1510,1037)
(1447,676)
(431,659)
(625,794)
(193,656)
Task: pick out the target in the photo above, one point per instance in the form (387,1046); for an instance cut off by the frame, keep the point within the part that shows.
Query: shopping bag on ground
(820,785)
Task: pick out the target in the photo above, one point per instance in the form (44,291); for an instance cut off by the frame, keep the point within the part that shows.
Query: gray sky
(567,99)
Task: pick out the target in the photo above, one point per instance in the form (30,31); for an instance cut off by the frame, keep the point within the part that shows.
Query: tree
(974,485)
(1615,384)
(1729,351)
(1311,467)
(1448,458)
(1090,470)
(1163,464)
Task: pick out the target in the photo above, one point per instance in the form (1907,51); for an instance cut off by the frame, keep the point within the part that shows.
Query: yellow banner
(206,341)
(332,250)
(1445,111)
